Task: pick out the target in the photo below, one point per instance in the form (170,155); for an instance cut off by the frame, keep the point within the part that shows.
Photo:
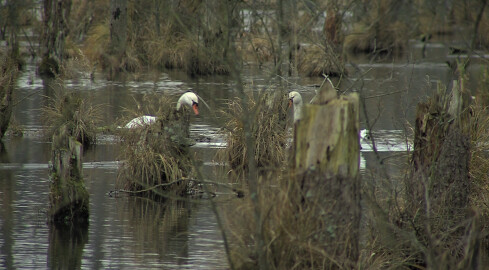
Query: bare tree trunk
(118,36)
(327,157)
(55,30)
(118,27)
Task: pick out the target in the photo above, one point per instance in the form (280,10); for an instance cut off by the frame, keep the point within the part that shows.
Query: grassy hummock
(268,114)
(157,157)
(70,111)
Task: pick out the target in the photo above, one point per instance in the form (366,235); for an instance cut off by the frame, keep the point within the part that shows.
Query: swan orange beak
(195,106)
(290,103)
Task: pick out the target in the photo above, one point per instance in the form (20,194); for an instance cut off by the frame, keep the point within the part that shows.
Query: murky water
(129,233)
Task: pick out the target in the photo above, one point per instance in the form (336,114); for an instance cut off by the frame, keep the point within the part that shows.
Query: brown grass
(316,61)
(156,157)
(254,47)
(268,114)
(441,237)
(381,29)
(71,111)
(9,71)
(479,164)
(96,43)
(296,234)
(148,48)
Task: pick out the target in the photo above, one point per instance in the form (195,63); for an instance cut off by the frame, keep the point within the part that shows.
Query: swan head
(295,100)
(189,99)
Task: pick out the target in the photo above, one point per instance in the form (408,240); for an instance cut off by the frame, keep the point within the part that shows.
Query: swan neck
(297,111)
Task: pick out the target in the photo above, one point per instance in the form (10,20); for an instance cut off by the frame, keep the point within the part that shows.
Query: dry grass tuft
(479,163)
(315,61)
(256,48)
(77,65)
(71,111)
(156,157)
(381,29)
(9,71)
(440,237)
(96,43)
(268,115)
(294,232)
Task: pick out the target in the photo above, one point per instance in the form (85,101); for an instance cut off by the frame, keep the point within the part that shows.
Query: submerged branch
(238,192)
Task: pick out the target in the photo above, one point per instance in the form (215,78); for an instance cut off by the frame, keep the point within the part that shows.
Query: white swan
(187,99)
(295,100)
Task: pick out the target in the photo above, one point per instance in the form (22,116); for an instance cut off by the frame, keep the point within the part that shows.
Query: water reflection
(66,244)
(7,197)
(156,228)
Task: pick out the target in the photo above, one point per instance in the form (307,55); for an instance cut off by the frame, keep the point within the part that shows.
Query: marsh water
(134,233)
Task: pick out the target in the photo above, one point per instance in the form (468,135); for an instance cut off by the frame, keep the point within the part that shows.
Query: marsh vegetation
(263,50)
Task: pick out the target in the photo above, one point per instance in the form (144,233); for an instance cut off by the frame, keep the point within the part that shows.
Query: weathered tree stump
(69,199)
(327,157)
(439,186)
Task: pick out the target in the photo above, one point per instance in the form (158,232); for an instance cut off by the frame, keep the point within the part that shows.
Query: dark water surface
(134,233)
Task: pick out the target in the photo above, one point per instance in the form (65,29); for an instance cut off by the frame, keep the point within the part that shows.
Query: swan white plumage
(295,100)
(141,121)
(187,99)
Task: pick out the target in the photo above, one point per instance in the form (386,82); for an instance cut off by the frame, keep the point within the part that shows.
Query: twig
(17,103)
(238,192)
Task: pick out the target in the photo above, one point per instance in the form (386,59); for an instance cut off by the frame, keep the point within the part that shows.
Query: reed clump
(156,157)
(295,233)
(159,47)
(479,163)
(316,61)
(171,50)
(268,120)
(383,28)
(96,44)
(255,47)
(9,72)
(426,222)
(73,113)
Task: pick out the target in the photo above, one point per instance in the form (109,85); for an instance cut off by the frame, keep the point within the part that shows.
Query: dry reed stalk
(430,239)
(269,133)
(294,232)
(9,70)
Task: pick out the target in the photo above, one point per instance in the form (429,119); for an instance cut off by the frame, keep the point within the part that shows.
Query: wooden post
(327,157)
(68,196)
